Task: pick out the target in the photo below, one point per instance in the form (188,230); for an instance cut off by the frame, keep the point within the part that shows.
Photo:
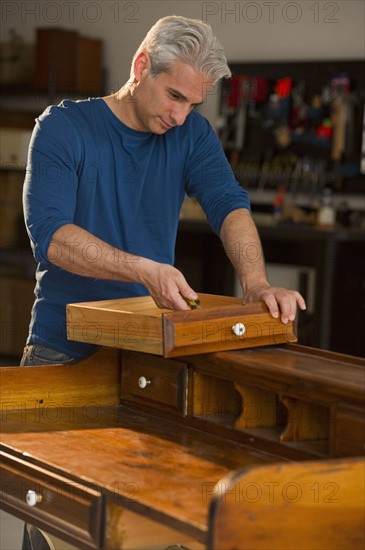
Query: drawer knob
(32,498)
(239,329)
(143,382)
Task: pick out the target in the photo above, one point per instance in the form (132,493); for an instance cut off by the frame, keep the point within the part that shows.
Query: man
(105,182)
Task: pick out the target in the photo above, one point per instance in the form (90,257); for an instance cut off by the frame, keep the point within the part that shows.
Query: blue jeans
(35,355)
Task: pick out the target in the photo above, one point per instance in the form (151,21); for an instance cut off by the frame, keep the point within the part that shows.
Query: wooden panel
(138,324)
(68,509)
(94,381)
(320,396)
(152,381)
(315,375)
(126,529)
(306,421)
(213,396)
(258,408)
(348,435)
(304,506)
(129,323)
(205,331)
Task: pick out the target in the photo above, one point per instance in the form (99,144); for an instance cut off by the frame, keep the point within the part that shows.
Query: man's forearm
(243,247)
(78,251)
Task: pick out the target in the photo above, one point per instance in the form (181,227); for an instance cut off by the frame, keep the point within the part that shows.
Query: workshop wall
(249,30)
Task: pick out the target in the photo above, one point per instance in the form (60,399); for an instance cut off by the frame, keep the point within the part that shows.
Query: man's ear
(141,65)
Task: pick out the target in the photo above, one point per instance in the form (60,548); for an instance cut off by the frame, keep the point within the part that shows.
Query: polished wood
(348,430)
(258,408)
(213,396)
(96,380)
(126,529)
(306,371)
(147,464)
(129,323)
(303,506)
(75,509)
(291,394)
(208,330)
(306,420)
(148,380)
(138,324)
(161,457)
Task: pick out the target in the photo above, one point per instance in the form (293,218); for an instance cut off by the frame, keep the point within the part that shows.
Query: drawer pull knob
(239,329)
(143,382)
(32,498)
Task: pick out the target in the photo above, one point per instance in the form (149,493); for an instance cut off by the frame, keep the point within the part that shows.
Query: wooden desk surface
(149,462)
(67,421)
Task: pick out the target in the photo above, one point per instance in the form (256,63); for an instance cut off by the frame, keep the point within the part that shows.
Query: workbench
(246,449)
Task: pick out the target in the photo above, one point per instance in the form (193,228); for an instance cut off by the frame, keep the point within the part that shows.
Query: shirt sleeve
(210,178)
(50,186)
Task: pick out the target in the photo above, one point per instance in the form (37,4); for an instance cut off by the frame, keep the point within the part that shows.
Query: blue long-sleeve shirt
(86,167)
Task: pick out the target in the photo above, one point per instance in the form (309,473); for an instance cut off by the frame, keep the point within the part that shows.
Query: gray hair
(180,39)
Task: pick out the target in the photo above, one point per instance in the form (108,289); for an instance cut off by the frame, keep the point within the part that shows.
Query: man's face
(165,101)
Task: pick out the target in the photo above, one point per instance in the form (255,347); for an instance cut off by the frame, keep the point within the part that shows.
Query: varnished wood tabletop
(147,462)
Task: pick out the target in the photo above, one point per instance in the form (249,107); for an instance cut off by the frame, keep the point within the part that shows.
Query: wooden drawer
(137,324)
(151,381)
(67,509)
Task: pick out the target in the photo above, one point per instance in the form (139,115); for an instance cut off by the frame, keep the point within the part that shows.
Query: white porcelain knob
(239,329)
(143,382)
(32,498)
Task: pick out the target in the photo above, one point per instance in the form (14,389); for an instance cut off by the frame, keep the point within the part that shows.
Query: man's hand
(167,286)
(242,244)
(278,300)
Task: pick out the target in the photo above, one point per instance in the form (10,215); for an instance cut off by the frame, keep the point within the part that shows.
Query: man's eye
(175,96)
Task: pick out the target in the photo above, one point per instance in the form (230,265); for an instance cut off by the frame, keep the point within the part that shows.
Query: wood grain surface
(93,380)
(304,506)
(147,464)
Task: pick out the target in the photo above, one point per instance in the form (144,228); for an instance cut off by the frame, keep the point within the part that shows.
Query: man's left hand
(279,301)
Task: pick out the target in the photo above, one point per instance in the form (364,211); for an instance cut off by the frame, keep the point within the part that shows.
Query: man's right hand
(166,284)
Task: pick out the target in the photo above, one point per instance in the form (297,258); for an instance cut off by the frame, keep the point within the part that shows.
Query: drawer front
(65,508)
(154,382)
(223,328)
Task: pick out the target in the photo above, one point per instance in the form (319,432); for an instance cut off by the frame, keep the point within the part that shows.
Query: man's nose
(180,113)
